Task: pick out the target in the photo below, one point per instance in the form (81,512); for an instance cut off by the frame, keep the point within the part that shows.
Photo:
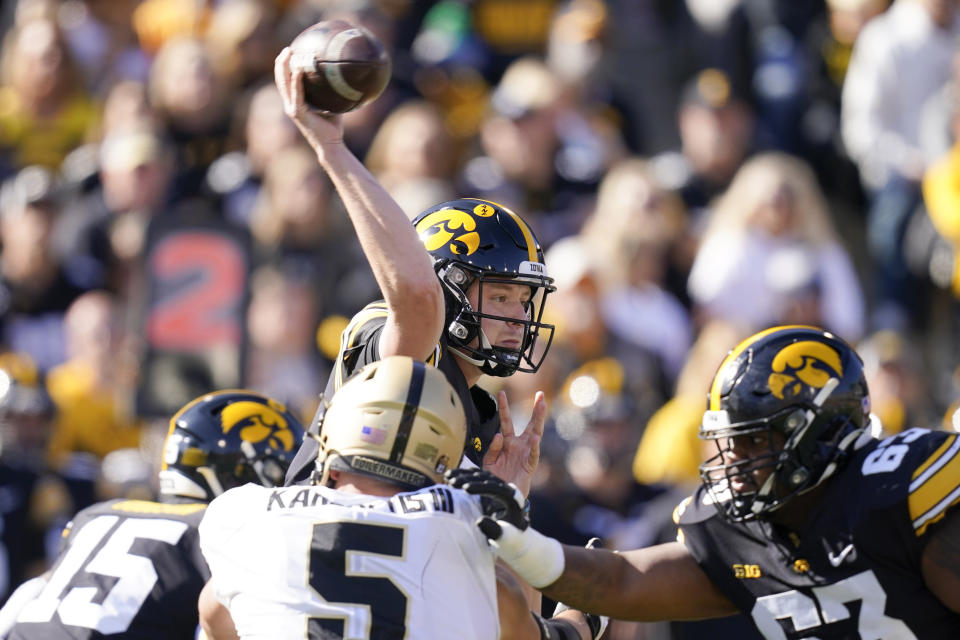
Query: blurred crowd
(697,170)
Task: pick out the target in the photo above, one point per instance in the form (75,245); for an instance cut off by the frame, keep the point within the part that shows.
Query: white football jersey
(302,561)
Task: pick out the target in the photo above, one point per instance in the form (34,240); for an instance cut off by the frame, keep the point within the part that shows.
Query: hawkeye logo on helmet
(258,422)
(805,363)
(441,227)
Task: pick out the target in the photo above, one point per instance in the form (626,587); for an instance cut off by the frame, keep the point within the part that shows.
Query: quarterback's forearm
(402,267)
(656,583)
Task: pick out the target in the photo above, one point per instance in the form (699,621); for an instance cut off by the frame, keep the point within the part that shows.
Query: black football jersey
(854,572)
(128,568)
(359,346)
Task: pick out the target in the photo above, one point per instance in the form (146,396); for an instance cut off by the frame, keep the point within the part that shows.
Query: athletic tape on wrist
(536,558)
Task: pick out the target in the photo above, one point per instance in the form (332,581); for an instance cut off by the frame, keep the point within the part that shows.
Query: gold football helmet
(396,419)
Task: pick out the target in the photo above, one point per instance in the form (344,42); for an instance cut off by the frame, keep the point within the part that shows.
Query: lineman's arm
(662,582)
(215,619)
(399,262)
(940,562)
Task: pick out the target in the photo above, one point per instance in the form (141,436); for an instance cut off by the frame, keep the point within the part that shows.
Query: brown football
(345,66)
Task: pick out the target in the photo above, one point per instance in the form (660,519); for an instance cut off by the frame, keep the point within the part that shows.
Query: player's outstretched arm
(656,583)
(399,262)
(215,619)
(940,562)
(663,582)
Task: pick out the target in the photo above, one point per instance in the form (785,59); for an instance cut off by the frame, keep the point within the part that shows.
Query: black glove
(500,500)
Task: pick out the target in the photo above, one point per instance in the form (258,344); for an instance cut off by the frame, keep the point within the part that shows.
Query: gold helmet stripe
(524,229)
(715,388)
(410,408)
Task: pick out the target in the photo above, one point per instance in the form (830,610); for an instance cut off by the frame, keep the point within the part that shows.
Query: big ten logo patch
(746,571)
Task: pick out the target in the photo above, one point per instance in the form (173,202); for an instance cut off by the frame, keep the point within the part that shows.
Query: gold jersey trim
(935,486)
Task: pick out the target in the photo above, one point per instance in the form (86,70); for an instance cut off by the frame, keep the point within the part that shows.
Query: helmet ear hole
(794,420)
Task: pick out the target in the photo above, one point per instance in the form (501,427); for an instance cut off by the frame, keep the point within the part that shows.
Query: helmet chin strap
(484,344)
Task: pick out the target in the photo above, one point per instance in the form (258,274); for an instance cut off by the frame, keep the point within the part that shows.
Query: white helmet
(396,419)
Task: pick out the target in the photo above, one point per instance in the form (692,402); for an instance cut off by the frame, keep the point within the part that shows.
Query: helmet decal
(484,210)
(472,242)
(258,422)
(225,439)
(441,222)
(527,235)
(723,375)
(803,363)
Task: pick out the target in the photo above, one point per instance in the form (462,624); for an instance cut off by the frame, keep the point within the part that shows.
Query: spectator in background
(413,156)
(104,43)
(282,358)
(44,111)
(716,134)
(243,40)
(670,450)
(771,221)
(893,366)
(93,389)
(584,334)
(34,499)
(538,154)
(192,100)
(101,234)
(641,230)
(298,223)
(35,287)
(900,59)
(262,132)
(159,21)
(829,43)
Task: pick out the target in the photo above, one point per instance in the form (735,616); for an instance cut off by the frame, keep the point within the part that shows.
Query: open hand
(511,457)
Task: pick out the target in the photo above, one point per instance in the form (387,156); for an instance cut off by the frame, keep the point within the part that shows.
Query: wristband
(555,629)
